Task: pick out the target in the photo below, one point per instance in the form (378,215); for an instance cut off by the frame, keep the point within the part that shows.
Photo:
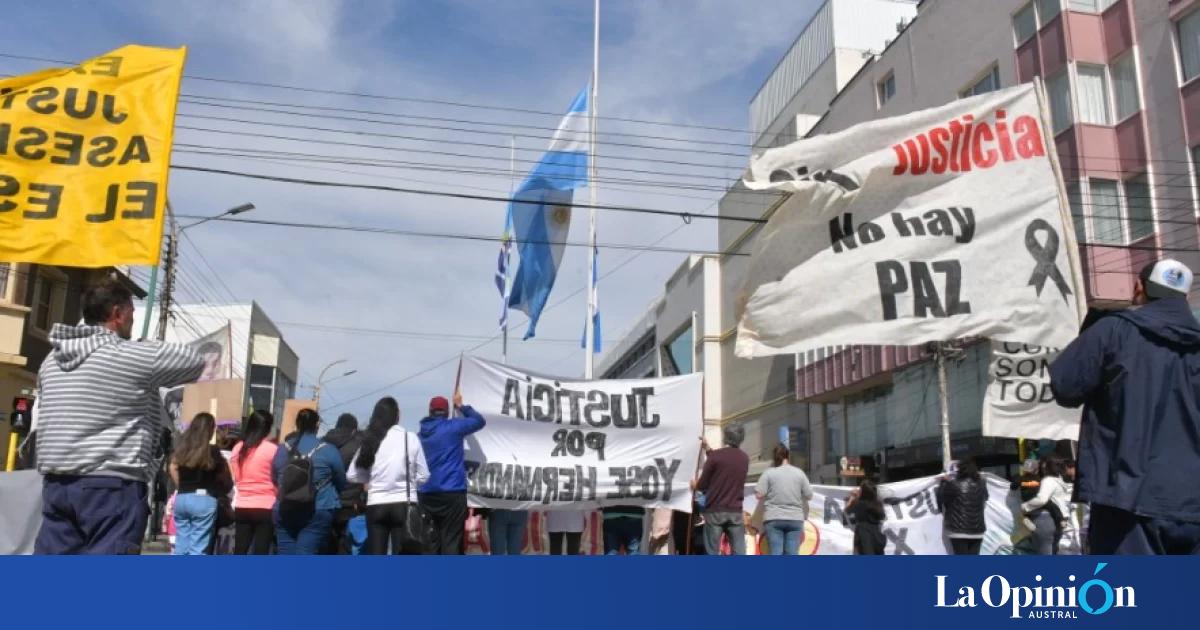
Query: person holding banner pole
(444,496)
(722,480)
(1137,373)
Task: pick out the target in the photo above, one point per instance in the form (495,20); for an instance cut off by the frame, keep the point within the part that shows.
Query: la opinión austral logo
(1039,600)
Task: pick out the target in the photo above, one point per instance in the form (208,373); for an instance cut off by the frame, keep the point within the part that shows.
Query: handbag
(225,515)
(418,527)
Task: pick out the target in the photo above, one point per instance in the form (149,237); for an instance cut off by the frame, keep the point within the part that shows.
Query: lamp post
(169,270)
(321,380)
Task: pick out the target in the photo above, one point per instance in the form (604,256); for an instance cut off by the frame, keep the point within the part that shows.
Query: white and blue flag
(541,211)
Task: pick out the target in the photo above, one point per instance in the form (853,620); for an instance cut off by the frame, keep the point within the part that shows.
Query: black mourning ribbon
(1044,256)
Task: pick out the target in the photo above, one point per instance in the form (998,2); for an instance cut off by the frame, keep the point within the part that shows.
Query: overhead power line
(450,235)
(685,216)
(384,97)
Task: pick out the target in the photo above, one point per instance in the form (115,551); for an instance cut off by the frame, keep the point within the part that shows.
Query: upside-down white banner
(940,224)
(558,443)
(913,523)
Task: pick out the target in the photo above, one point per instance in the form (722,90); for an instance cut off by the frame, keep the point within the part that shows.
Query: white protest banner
(1018,402)
(940,224)
(558,443)
(913,523)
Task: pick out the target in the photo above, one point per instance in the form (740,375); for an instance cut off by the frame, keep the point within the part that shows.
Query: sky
(694,65)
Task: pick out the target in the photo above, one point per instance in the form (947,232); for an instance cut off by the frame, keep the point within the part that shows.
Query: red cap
(439,403)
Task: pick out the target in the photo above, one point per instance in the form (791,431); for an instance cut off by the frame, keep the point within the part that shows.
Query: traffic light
(19,419)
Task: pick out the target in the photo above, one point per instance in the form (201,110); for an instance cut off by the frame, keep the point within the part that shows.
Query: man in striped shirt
(98,425)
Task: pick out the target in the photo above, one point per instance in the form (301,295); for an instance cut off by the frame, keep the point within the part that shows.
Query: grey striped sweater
(99,410)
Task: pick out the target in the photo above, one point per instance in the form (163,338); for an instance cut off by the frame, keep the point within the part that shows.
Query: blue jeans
(506,531)
(623,531)
(195,515)
(302,533)
(784,537)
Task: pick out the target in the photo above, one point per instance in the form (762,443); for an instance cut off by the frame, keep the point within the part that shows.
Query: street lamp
(321,380)
(234,211)
(172,247)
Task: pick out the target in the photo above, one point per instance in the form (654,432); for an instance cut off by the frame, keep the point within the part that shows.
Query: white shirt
(1051,490)
(387,481)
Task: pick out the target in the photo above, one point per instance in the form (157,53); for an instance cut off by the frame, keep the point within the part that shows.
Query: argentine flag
(541,212)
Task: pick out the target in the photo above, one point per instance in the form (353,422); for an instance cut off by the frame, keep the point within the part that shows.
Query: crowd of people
(384,489)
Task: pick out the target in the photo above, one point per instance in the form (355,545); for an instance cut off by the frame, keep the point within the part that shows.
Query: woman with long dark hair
(785,492)
(392,465)
(251,466)
(962,499)
(1047,514)
(864,511)
(201,475)
(308,474)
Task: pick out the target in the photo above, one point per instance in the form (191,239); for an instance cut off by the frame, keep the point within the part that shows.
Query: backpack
(296,488)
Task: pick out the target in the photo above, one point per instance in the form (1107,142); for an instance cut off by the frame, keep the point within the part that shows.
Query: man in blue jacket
(1137,373)
(444,496)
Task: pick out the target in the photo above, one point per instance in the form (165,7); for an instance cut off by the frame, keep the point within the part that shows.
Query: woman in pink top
(255,490)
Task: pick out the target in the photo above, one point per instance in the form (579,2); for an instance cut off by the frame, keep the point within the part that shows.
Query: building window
(6,271)
(1025,23)
(47,304)
(1105,212)
(1189,45)
(262,386)
(1075,201)
(260,398)
(886,88)
(1196,165)
(1090,6)
(1119,212)
(1048,10)
(989,83)
(833,433)
(679,352)
(1139,211)
(1058,87)
(1092,85)
(1125,87)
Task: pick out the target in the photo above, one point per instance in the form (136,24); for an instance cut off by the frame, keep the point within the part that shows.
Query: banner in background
(553,443)
(84,154)
(1018,402)
(914,522)
(216,348)
(937,225)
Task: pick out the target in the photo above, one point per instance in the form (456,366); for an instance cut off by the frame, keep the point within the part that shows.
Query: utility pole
(942,352)
(171,256)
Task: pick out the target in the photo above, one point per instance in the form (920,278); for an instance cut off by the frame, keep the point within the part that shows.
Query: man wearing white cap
(1137,373)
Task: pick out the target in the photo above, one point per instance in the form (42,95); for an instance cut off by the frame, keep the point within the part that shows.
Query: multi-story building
(32,299)
(1124,93)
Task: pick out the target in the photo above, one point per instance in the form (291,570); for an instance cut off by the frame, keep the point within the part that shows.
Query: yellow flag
(84,154)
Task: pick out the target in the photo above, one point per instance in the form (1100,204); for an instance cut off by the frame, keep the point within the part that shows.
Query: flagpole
(512,174)
(589,338)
